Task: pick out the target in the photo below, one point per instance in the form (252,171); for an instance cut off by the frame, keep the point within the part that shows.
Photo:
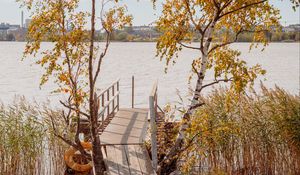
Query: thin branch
(106,45)
(226,43)
(225,5)
(66,48)
(216,82)
(216,4)
(74,109)
(195,69)
(102,56)
(190,141)
(198,27)
(77,146)
(189,47)
(235,39)
(243,7)
(196,106)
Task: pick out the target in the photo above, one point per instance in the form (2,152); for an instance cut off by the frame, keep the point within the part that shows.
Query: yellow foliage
(60,22)
(214,25)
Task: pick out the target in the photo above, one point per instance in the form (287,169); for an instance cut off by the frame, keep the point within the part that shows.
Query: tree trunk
(97,156)
(186,117)
(99,166)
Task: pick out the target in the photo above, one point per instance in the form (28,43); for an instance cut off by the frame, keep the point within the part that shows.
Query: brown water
(281,60)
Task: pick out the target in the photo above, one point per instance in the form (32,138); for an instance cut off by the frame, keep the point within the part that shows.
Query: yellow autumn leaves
(60,22)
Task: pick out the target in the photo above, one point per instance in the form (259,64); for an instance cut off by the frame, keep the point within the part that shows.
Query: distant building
(4,26)
(288,29)
(295,26)
(7,29)
(141,28)
(7,26)
(292,28)
(27,23)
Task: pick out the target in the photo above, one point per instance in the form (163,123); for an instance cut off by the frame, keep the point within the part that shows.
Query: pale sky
(142,11)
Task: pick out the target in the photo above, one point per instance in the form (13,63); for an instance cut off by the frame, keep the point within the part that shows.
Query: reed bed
(248,134)
(26,145)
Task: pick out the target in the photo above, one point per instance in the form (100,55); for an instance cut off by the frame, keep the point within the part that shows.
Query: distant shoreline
(155,41)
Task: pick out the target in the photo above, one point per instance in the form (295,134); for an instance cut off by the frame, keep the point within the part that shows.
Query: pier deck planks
(128,126)
(122,142)
(128,160)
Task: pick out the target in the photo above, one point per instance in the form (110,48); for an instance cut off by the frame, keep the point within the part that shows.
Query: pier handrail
(110,86)
(153,112)
(107,97)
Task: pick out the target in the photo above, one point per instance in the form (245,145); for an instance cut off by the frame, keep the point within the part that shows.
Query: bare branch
(74,109)
(102,56)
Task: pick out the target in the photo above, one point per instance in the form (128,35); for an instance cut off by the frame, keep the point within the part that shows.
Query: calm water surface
(281,60)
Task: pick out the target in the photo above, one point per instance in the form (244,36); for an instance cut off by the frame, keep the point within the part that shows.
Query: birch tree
(217,23)
(74,61)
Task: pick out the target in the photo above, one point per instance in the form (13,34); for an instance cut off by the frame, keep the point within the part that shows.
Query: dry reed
(245,134)
(26,145)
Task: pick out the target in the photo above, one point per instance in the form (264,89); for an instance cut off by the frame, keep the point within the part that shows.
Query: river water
(21,78)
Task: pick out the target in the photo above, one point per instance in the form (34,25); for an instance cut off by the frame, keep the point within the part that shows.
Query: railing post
(108,100)
(113,102)
(118,103)
(102,122)
(153,131)
(132,92)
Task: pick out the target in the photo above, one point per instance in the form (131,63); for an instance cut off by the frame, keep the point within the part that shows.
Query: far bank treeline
(150,34)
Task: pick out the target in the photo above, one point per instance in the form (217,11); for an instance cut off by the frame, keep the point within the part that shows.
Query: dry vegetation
(244,134)
(26,145)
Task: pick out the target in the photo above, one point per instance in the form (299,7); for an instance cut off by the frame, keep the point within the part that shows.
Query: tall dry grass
(249,134)
(26,145)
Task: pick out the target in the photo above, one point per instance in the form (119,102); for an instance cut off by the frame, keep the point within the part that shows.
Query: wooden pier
(122,133)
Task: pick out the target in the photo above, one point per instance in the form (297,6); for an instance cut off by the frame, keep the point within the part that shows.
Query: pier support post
(153,113)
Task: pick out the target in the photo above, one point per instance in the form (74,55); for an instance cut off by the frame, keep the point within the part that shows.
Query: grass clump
(26,145)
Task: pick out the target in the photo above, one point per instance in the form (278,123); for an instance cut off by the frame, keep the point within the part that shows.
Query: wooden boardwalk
(127,127)
(127,160)
(123,140)
(122,133)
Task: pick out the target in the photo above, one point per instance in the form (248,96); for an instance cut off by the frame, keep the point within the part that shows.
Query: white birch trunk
(203,67)
(186,118)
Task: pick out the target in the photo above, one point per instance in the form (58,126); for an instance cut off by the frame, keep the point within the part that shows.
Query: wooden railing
(110,102)
(153,126)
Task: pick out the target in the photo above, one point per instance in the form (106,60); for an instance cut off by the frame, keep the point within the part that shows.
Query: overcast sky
(142,11)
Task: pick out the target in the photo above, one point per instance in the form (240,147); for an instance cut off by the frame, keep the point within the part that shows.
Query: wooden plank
(144,160)
(122,160)
(133,161)
(127,127)
(111,160)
